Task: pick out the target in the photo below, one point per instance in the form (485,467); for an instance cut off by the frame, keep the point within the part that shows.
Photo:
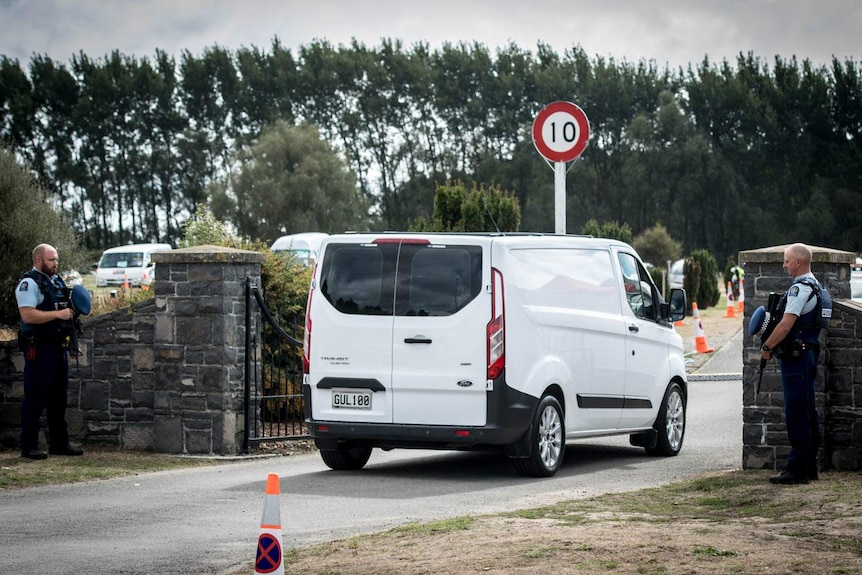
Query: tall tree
(291,181)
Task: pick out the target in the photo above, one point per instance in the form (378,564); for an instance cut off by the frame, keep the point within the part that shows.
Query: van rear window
(353,280)
(441,281)
(402,280)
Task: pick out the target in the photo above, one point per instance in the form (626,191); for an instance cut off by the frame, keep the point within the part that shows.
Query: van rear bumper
(509,415)
(328,434)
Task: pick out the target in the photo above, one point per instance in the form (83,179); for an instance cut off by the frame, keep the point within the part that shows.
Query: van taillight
(306,339)
(496,328)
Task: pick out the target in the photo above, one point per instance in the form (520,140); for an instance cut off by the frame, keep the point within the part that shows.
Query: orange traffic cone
(699,337)
(144,285)
(125,281)
(270,557)
(741,301)
(730,311)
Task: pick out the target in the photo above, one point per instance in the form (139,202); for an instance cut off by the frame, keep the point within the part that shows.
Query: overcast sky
(674,32)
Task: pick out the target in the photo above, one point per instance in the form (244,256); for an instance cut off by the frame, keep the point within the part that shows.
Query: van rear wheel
(346,456)
(670,423)
(547,441)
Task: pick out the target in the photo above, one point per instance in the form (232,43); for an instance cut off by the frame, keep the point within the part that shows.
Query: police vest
(55,297)
(807,327)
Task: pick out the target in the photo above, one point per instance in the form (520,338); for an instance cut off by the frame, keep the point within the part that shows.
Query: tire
(346,456)
(670,423)
(547,441)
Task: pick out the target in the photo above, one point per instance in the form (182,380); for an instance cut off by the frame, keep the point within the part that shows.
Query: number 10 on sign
(561,132)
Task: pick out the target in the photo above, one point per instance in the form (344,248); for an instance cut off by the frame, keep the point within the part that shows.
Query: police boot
(812,470)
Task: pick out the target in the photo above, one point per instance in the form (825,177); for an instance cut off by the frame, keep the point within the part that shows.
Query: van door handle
(633,327)
(419,339)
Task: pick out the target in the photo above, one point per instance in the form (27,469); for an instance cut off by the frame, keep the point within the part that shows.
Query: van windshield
(122,260)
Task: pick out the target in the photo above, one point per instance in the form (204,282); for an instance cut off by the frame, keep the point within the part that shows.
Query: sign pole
(561,132)
(560,198)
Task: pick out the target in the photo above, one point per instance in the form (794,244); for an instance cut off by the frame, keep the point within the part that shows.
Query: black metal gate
(273,374)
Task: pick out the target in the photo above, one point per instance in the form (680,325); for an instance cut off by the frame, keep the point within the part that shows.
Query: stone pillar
(764,436)
(199,348)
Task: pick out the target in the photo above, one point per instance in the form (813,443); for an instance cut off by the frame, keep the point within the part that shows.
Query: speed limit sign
(561,132)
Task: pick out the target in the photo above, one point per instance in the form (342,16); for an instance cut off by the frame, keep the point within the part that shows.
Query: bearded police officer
(46,326)
(794,341)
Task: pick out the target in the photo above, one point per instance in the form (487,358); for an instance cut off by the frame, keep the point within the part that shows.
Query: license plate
(351,399)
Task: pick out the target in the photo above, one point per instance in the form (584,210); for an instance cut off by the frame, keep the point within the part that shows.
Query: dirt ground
(717,525)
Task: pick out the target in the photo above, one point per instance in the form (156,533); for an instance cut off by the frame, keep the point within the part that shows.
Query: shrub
(481,210)
(610,230)
(691,280)
(707,294)
(656,246)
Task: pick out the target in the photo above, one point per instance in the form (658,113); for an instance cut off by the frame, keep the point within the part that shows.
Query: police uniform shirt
(28,293)
(799,301)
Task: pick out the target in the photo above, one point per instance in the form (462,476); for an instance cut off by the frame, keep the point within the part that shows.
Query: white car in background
(676,274)
(304,247)
(856,285)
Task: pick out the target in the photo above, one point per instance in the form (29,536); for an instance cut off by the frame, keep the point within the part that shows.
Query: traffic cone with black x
(700,344)
(270,556)
(730,311)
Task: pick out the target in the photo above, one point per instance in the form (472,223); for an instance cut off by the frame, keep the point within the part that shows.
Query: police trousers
(46,383)
(798,381)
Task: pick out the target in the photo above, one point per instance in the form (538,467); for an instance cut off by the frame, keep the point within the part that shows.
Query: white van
(132,264)
(304,247)
(489,341)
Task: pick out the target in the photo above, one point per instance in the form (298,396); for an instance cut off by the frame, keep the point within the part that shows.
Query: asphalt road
(206,520)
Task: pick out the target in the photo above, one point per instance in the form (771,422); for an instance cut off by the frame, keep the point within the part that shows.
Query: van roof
(138,247)
(507,237)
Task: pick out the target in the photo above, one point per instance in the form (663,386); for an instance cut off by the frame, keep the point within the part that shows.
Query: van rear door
(351,314)
(439,333)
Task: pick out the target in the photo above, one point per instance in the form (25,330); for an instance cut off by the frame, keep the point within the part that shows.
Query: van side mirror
(676,305)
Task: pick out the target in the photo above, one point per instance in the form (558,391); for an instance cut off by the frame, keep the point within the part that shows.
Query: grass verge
(17,472)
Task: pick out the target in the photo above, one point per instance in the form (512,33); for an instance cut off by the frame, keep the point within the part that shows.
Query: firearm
(77,329)
(79,301)
(763,321)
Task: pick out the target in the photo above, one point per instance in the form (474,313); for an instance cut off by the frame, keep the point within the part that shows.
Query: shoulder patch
(23,286)
(794,291)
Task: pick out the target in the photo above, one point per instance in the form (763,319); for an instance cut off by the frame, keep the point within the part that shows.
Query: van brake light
(396,240)
(496,328)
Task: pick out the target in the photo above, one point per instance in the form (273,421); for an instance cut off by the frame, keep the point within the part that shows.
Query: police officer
(46,323)
(794,341)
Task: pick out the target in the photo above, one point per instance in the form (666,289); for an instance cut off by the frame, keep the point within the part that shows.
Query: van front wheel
(547,436)
(670,423)
(346,456)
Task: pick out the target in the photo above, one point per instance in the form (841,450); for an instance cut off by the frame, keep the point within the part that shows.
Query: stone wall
(839,376)
(164,375)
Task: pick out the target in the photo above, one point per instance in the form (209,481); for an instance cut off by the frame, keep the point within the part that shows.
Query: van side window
(354,279)
(638,288)
(576,279)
